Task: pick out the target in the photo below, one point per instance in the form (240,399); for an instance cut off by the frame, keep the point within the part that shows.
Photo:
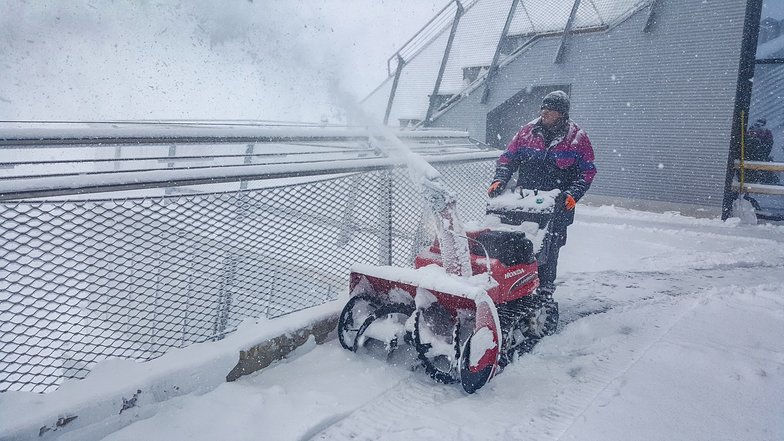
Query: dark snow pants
(548,270)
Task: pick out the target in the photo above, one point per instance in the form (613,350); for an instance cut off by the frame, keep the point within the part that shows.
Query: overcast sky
(239,59)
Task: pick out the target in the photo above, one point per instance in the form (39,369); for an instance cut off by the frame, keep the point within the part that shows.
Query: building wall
(657,106)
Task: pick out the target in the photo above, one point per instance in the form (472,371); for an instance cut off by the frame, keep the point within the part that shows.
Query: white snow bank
(606,213)
(118,392)
(713,372)
(272,406)
(628,240)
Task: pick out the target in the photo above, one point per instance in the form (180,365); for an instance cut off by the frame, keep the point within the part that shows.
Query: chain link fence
(86,280)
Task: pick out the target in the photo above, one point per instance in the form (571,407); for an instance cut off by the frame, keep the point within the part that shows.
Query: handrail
(744,186)
(491,72)
(84,160)
(761,165)
(416,34)
(106,133)
(117,181)
(775,190)
(427,32)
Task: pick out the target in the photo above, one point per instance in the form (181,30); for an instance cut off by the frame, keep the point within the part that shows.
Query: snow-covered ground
(671,330)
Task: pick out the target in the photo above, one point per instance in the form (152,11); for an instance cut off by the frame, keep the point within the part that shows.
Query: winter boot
(546,290)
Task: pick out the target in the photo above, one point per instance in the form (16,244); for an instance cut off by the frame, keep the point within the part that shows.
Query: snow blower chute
(468,306)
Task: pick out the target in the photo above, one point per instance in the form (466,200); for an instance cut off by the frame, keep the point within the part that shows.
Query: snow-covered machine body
(469,305)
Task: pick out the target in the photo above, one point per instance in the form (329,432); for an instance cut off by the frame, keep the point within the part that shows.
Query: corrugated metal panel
(657,106)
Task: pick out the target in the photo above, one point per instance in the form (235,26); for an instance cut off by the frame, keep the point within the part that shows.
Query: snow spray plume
(442,201)
(420,171)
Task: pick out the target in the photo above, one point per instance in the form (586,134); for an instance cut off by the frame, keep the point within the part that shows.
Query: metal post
(651,17)
(398,71)
(385,218)
(444,60)
(185,339)
(559,56)
(223,307)
(117,156)
(347,222)
(172,154)
(493,70)
(390,222)
(247,160)
(742,96)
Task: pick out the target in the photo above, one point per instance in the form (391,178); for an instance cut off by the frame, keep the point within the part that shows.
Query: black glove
(496,188)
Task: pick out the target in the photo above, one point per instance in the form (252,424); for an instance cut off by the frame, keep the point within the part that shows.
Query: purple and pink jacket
(566,163)
(759,144)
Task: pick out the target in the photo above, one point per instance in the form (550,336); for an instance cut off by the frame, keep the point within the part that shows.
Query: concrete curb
(262,355)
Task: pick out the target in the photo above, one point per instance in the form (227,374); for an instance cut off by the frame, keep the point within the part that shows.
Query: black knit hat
(557,101)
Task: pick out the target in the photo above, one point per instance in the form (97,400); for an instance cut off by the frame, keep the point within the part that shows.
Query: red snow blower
(469,306)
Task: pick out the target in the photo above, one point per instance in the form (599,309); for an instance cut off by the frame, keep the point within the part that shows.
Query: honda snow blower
(469,305)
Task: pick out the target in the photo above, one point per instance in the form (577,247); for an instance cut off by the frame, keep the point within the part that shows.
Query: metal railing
(440,22)
(763,180)
(88,276)
(465,44)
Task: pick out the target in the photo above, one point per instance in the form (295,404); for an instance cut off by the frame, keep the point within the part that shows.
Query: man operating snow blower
(549,153)
(468,306)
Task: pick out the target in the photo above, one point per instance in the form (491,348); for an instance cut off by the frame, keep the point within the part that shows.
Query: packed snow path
(671,329)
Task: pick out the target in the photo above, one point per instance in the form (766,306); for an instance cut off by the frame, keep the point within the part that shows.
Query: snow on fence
(139,269)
